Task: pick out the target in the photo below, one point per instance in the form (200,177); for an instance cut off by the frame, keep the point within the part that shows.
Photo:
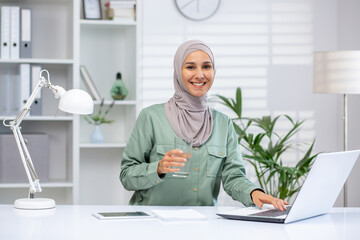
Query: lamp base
(34,203)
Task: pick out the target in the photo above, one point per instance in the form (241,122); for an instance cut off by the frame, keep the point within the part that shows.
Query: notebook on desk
(317,195)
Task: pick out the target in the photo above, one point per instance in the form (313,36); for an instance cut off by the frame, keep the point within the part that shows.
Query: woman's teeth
(198,84)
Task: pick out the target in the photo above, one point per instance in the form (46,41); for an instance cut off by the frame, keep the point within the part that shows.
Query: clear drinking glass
(186,147)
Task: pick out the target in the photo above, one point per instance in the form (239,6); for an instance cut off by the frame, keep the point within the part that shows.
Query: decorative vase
(97,136)
(118,90)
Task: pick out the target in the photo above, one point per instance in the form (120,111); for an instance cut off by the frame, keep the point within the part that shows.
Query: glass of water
(185,145)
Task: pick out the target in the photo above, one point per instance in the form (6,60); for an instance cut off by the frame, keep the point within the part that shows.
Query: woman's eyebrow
(207,62)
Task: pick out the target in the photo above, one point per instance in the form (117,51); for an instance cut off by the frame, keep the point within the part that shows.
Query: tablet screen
(123,214)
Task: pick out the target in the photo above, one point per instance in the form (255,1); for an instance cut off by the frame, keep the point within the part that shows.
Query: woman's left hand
(259,198)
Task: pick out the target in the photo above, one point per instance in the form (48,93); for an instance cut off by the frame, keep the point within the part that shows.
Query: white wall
(263,46)
(349,39)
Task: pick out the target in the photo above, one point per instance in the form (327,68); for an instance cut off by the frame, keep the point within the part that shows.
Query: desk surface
(77,222)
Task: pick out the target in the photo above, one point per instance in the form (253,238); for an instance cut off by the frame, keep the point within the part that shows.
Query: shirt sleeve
(234,179)
(137,172)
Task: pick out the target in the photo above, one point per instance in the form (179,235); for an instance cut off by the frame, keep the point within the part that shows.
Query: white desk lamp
(74,101)
(338,72)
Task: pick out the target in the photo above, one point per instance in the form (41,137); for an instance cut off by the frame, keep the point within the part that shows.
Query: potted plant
(98,119)
(263,148)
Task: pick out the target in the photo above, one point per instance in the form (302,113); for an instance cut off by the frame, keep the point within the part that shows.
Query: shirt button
(220,153)
(196,148)
(157,181)
(195,189)
(196,169)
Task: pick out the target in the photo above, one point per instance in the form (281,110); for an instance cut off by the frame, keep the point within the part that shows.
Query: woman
(149,158)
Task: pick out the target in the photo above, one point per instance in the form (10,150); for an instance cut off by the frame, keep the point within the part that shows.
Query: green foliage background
(264,150)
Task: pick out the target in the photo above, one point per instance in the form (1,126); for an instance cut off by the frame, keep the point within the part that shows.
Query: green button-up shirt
(219,159)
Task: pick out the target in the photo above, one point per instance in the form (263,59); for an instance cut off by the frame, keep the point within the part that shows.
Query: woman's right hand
(170,160)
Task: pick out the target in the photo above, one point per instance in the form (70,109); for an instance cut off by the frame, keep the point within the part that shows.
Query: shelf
(119,102)
(38,60)
(102,145)
(43,185)
(110,23)
(40,118)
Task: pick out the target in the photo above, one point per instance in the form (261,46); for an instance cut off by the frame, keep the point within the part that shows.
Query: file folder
(14,32)
(5,32)
(4,92)
(24,83)
(36,107)
(25,35)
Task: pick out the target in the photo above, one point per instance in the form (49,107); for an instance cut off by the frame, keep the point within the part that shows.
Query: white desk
(76,222)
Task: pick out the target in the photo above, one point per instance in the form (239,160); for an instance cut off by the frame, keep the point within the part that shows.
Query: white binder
(24,83)
(36,107)
(14,32)
(5,32)
(25,38)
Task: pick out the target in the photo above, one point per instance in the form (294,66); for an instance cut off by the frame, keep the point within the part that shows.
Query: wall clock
(197,9)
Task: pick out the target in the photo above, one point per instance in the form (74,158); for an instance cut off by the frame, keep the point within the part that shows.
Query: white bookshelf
(80,172)
(102,145)
(39,61)
(53,33)
(40,118)
(109,23)
(108,47)
(118,102)
(43,185)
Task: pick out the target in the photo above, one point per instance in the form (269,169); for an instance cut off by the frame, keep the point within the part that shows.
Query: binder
(36,107)
(89,84)
(5,32)
(24,83)
(5,92)
(25,33)
(14,32)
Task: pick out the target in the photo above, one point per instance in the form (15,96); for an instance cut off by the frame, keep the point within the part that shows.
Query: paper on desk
(180,215)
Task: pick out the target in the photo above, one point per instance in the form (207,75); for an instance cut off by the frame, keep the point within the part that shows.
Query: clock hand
(187,4)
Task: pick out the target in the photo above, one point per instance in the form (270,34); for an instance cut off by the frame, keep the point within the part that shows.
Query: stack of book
(121,10)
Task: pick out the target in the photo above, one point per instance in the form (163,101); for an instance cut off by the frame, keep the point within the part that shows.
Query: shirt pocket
(215,160)
(162,149)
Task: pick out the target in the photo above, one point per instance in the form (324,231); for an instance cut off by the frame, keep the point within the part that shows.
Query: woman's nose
(199,74)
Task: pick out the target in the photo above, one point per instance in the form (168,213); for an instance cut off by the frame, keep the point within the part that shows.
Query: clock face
(197,9)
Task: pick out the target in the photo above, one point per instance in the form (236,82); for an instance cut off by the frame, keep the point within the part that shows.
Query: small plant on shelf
(100,117)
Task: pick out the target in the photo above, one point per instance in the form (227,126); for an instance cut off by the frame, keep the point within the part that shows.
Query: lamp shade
(337,72)
(76,101)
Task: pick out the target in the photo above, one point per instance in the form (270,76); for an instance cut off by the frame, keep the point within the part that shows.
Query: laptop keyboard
(272,213)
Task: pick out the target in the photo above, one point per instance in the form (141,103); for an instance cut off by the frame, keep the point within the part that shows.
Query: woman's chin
(198,93)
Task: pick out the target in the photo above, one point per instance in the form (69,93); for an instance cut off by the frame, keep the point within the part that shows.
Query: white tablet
(123,215)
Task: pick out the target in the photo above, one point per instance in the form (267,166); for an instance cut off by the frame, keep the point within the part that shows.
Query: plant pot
(97,136)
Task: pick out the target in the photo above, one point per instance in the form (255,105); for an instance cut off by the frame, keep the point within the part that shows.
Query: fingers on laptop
(279,204)
(260,198)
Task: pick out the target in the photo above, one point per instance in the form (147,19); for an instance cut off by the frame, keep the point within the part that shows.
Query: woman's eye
(189,67)
(208,66)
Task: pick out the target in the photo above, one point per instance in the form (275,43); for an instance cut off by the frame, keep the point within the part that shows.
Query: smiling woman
(215,157)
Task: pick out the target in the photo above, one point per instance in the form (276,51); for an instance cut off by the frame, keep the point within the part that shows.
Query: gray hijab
(189,116)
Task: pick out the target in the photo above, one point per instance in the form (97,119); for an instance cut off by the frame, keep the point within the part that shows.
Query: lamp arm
(26,160)
(14,125)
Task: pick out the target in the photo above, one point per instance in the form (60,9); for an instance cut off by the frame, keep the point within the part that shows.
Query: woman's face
(197,73)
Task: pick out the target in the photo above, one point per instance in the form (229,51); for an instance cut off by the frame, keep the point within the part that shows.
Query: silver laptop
(317,195)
